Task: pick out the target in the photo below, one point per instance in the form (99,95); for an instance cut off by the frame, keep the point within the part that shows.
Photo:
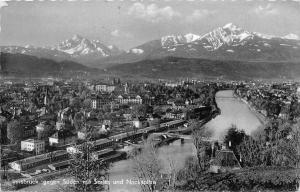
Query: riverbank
(260,116)
(211,116)
(214,112)
(232,112)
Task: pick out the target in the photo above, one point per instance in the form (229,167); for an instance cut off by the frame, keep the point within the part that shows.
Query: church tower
(126,88)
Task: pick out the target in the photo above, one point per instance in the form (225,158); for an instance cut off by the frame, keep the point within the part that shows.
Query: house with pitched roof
(225,160)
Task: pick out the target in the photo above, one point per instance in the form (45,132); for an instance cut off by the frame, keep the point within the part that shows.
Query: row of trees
(277,145)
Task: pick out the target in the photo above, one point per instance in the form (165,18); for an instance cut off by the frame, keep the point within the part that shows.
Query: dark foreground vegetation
(270,160)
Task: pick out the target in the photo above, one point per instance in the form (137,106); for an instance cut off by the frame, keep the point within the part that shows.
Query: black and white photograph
(149,95)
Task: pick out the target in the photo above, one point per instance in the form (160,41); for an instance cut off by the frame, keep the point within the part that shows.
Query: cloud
(115,33)
(266,10)
(199,14)
(2,4)
(152,12)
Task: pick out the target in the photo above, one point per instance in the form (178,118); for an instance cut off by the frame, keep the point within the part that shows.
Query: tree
(189,172)
(273,108)
(289,148)
(203,147)
(234,137)
(89,174)
(47,130)
(277,145)
(14,131)
(75,102)
(85,171)
(141,110)
(87,103)
(158,110)
(3,130)
(251,152)
(147,166)
(78,120)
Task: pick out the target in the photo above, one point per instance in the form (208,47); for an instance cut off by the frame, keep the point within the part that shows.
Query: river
(233,111)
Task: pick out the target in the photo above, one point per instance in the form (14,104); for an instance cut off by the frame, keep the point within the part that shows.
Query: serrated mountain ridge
(78,46)
(229,42)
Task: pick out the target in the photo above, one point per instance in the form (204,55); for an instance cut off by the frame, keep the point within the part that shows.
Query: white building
(73,149)
(105,88)
(128,99)
(137,123)
(173,84)
(59,125)
(37,146)
(298,93)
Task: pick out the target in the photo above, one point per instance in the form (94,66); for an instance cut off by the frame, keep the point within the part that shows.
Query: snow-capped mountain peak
(111,46)
(264,36)
(229,34)
(29,46)
(175,40)
(190,37)
(170,40)
(291,36)
(79,46)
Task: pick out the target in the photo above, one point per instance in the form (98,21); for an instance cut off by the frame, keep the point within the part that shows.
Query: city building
(225,160)
(298,93)
(28,122)
(61,138)
(97,145)
(140,123)
(99,101)
(129,99)
(105,88)
(33,145)
(30,162)
(176,115)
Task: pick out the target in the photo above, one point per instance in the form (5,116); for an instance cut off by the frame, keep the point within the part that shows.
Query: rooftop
(225,158)
(33,141)
(38,158)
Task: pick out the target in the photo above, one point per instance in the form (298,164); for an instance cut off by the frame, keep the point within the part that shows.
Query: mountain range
(224,43)
(26,65)
(229,42)
(77,48)
(175,67)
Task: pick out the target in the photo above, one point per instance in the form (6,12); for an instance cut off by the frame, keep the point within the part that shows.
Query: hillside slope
(25,65)
(173,67)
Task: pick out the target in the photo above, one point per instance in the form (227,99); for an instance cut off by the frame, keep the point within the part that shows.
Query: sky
(127,24)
